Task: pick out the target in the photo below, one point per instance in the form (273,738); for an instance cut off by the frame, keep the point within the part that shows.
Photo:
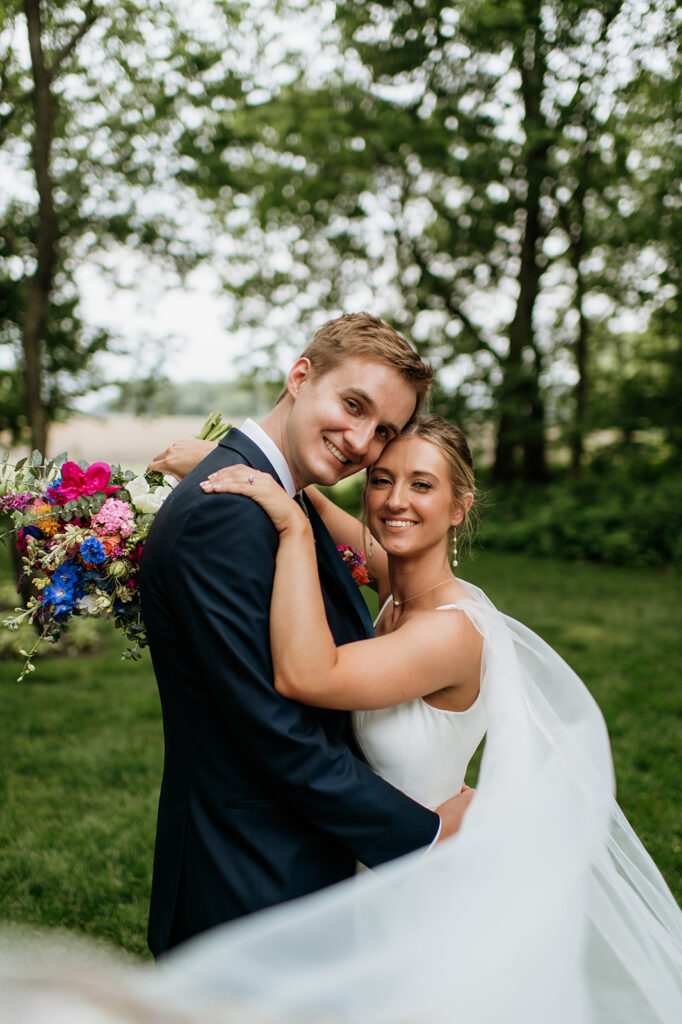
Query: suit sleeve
(225,568)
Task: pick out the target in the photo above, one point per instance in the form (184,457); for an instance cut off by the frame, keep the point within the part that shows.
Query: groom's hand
(181,457)
(452,812)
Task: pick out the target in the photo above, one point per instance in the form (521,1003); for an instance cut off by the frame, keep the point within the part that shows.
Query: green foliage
(120,77)
(608,516)
(476,174)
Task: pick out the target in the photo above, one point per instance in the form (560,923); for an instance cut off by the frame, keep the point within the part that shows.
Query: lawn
(81,742)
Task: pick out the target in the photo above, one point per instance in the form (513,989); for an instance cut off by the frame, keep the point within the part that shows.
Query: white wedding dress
(422,750)
(545,907)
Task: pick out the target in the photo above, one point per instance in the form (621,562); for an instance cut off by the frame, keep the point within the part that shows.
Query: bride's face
(410,505)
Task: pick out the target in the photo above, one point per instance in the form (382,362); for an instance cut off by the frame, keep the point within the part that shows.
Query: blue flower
(93,551)
(62,596)
(65,590)
(68,572)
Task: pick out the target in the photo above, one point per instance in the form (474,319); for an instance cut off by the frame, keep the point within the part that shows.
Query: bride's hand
(181,457)
(262,488)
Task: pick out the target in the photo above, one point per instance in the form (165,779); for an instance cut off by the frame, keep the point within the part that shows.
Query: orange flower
(111,543)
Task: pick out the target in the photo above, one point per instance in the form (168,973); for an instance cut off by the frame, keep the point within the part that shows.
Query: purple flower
(15,502)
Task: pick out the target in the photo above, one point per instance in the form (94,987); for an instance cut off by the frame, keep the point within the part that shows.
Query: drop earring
(370,553)
(453,547)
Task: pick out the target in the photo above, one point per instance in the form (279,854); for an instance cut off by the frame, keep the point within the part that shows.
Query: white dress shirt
(255,433)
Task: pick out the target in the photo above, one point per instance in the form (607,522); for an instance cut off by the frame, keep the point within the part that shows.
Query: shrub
(618,519)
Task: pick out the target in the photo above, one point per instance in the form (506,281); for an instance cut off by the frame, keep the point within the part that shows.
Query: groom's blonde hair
(361,335)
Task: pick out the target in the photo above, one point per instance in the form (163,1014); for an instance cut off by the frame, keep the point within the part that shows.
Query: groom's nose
(359,439)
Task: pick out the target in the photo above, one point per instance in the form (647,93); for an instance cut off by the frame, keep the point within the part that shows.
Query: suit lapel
(328,555)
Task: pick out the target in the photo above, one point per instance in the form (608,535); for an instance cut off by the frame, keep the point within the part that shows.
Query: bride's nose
(396,498)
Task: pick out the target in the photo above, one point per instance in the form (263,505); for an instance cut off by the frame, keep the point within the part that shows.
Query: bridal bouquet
(80,530)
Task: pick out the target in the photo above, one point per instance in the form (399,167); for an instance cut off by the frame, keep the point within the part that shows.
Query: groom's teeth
(335,451)
(399,522)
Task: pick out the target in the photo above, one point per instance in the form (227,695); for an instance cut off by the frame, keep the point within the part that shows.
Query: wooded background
(500,179)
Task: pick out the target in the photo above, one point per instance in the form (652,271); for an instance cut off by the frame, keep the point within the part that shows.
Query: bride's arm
(414,661)
(347,530)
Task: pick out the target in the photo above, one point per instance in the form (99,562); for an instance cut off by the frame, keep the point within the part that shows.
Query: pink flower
(114,517)
(75,481)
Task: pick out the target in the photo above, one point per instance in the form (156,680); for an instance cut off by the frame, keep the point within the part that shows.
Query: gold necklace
(396,604)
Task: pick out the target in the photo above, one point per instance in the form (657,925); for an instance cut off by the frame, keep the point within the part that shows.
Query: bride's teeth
(335,451)
(398,522)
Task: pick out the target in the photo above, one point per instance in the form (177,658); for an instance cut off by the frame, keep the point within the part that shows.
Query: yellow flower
(44,520)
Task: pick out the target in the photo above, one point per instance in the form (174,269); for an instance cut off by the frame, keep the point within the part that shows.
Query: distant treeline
(235,399)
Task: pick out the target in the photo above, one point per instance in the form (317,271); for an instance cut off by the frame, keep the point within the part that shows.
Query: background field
(81,742)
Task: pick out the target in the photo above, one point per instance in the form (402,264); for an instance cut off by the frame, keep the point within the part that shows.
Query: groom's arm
(225,568)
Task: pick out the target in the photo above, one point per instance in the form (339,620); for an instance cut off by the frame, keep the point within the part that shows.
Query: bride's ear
(462,508)
(298,375)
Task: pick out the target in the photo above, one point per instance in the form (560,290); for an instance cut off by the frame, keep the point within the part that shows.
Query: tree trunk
(40,284)
(521,426)
(580,347)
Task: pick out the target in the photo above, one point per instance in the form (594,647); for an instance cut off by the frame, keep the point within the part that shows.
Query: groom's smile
(335,451)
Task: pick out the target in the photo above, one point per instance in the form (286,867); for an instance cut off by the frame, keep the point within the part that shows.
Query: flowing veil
(544,907)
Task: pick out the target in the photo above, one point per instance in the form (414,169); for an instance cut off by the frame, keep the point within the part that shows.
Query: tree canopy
(494,177)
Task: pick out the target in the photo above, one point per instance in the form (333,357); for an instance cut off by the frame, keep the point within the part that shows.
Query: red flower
(359,574)
(136,554)
(75,481)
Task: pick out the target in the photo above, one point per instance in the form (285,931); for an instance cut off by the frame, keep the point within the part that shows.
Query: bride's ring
(250,479)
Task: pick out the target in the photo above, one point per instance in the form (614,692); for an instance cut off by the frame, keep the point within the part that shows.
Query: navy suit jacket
(263,799)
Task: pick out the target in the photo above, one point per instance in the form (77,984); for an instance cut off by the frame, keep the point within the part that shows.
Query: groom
(262,798)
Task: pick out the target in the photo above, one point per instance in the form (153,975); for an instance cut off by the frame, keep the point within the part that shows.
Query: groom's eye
(352,405)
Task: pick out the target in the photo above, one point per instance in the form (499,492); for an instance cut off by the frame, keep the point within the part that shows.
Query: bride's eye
(379,481)
(422,485)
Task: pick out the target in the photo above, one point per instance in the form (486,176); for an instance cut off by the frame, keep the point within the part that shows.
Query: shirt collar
(268,447)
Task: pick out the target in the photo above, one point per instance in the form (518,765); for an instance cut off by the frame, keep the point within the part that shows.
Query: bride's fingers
(237,480)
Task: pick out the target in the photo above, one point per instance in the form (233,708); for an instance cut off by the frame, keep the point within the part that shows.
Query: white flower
(137,487)
(88,604)
(149,504)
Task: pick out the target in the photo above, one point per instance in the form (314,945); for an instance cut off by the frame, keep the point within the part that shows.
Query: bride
(544,906)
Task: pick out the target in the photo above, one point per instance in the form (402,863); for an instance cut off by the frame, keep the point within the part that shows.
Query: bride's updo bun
(451,441)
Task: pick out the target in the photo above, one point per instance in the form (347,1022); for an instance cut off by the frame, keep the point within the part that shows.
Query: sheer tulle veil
(545,906)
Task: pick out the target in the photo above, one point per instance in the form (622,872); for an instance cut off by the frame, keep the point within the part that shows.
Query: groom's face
(341,421)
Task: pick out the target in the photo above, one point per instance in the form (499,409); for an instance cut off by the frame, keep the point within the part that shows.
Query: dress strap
(383,608)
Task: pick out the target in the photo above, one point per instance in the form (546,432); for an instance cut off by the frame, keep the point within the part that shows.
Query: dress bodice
(421,750)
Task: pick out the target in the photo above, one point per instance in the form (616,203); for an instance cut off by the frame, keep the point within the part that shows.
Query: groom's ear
(299,373)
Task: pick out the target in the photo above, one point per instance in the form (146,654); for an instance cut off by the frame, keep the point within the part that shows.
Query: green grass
(81,743)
